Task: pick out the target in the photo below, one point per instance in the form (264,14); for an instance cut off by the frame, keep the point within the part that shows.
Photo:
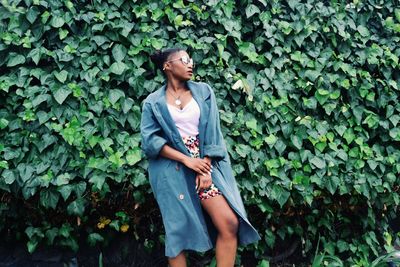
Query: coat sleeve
(151,133)
(214,144)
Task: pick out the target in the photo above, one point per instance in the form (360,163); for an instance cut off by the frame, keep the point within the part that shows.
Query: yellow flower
(124,228)
(103,221)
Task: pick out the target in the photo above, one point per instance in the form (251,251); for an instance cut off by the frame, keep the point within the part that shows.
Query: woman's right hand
(201,166)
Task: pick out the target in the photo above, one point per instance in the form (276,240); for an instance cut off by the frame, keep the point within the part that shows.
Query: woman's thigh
(222,215)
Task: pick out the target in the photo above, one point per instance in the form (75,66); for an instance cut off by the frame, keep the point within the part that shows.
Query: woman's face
(180,66)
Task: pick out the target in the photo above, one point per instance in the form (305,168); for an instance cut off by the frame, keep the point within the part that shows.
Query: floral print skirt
(192,143)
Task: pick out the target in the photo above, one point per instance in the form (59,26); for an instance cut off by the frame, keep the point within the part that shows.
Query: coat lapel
(200,98)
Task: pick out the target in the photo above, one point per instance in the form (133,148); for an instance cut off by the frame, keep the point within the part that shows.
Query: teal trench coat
(187,226)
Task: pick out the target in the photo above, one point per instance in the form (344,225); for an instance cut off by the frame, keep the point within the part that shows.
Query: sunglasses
(185,60)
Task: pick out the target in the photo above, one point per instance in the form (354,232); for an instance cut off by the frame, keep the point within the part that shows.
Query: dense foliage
(308,94)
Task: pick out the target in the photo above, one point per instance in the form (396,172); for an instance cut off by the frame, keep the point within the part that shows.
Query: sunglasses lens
(185,60)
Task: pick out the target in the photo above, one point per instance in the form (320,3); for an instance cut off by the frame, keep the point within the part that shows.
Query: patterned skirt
(192,144)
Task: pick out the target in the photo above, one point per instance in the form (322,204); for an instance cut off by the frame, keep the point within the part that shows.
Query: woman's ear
(166,66)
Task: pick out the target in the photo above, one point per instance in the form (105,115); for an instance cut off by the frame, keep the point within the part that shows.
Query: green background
(308,96)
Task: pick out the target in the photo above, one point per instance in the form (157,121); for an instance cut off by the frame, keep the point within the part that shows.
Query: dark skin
(221,214)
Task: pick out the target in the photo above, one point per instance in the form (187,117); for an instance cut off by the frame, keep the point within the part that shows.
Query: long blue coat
(187,226)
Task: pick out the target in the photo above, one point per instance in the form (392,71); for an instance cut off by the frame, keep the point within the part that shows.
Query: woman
(189,167)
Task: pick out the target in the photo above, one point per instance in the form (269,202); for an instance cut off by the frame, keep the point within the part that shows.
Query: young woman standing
(189,167)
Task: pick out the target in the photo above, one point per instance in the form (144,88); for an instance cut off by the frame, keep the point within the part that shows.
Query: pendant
(178,102)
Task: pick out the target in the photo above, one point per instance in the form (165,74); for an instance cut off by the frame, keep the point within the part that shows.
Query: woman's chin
(187,78)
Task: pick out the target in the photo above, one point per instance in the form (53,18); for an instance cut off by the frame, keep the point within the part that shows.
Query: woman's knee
(231,226)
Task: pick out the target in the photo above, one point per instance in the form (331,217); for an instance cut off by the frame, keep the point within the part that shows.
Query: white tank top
(187,119)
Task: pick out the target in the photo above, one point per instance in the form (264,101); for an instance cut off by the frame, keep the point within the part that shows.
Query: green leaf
(39,99)
(243,150)
(65,191)
(349,135)
(312,75)
(157,43)
(115,95)
(128,103)
(32,14)
(3,123)
(263,263)
(9,176)
(133,156)
(98,163)
(248,49)
(363,31)
(63,179)
(279,194)
(251,10)
(61,76)
(332,183)
(119,52)
(62,33)
(31,245)
(340,129)
(139,180)
(15,59)
(116,159)
(49,198)
(51,234)
(3,164)
(98,180)
(25,171)
(118,68)
(252,124)
(270,140)
(57,21)
(61,94)
(35,54)
(79,188)
(77,207)
(318,162)
(94,238)
(296,141)
(397,14)
(178,20)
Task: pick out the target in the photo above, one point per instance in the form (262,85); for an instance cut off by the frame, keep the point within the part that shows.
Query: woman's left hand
(203,181)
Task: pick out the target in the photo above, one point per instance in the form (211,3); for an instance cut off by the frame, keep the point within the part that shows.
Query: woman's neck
(176,86)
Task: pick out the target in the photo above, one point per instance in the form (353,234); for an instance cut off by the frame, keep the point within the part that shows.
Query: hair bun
(160,56)
(156,57)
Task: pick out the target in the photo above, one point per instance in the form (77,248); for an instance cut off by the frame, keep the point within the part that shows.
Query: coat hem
(203,249)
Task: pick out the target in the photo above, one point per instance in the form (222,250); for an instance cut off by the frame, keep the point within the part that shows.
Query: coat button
(181,196)
(177,167)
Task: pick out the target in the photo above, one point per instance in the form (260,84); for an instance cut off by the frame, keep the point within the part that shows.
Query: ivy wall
(308,95)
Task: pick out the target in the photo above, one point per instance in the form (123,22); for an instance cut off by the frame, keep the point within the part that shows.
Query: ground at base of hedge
(123,251)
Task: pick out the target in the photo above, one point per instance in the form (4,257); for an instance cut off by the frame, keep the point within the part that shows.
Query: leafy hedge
(308,93)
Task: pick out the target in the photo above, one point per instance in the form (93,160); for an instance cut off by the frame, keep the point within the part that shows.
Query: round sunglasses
(185,60)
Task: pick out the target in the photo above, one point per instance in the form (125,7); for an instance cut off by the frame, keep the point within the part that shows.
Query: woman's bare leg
(226,222)
(178,261)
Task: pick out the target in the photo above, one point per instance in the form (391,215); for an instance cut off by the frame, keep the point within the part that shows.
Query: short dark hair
(160,56)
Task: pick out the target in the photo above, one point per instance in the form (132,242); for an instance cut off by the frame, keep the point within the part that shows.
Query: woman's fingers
(207,168)
(197,182)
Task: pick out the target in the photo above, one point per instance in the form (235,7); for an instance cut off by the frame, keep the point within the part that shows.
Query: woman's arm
(201,166)
(214,144)
(151,133)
